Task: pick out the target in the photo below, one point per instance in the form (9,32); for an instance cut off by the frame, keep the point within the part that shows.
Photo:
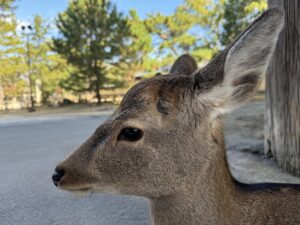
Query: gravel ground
(30,147)
(244,132)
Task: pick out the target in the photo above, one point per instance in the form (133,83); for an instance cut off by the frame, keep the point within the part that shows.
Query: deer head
(165,132)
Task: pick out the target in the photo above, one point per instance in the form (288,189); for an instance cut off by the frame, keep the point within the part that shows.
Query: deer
(165,141)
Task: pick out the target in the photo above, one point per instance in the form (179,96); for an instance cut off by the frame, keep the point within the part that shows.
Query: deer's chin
(82,192)
(88,189)
(76,189)
(107,189)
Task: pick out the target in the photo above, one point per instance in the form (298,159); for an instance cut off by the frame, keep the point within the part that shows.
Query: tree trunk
(98,95)
(282,125)
(1,98)
(31,84)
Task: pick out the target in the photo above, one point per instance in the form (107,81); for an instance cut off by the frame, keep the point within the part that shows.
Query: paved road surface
(29,151)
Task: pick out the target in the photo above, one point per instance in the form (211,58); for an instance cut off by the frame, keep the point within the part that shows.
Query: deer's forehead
(141,97)
(166,94)
(146,94)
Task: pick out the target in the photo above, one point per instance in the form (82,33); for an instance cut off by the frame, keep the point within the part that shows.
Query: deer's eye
(130,134)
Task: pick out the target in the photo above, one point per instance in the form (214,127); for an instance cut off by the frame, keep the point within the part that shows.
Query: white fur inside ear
(246,63)
(251,53)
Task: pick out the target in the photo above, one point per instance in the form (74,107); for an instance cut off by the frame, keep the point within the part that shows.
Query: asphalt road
(29,151)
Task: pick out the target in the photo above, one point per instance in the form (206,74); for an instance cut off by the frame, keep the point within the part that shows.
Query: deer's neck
(207,198)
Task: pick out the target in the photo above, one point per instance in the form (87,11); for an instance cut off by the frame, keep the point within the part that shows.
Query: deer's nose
(57,175)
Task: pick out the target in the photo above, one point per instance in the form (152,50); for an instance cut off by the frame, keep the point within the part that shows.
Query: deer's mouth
(81,189)
(77,189)
(73,187)
(80,192)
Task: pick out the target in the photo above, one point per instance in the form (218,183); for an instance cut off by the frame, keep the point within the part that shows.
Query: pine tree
(135,56)
(92,35)
(188,30)
(171,32)
(237,14)
(201,27)
(6,5)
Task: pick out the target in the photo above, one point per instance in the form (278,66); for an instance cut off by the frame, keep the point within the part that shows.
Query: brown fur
(180,163)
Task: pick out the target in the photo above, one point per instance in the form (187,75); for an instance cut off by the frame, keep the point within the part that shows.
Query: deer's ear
(185,64)
(246,61)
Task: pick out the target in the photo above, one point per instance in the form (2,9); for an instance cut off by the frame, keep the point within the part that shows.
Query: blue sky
(49,8)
